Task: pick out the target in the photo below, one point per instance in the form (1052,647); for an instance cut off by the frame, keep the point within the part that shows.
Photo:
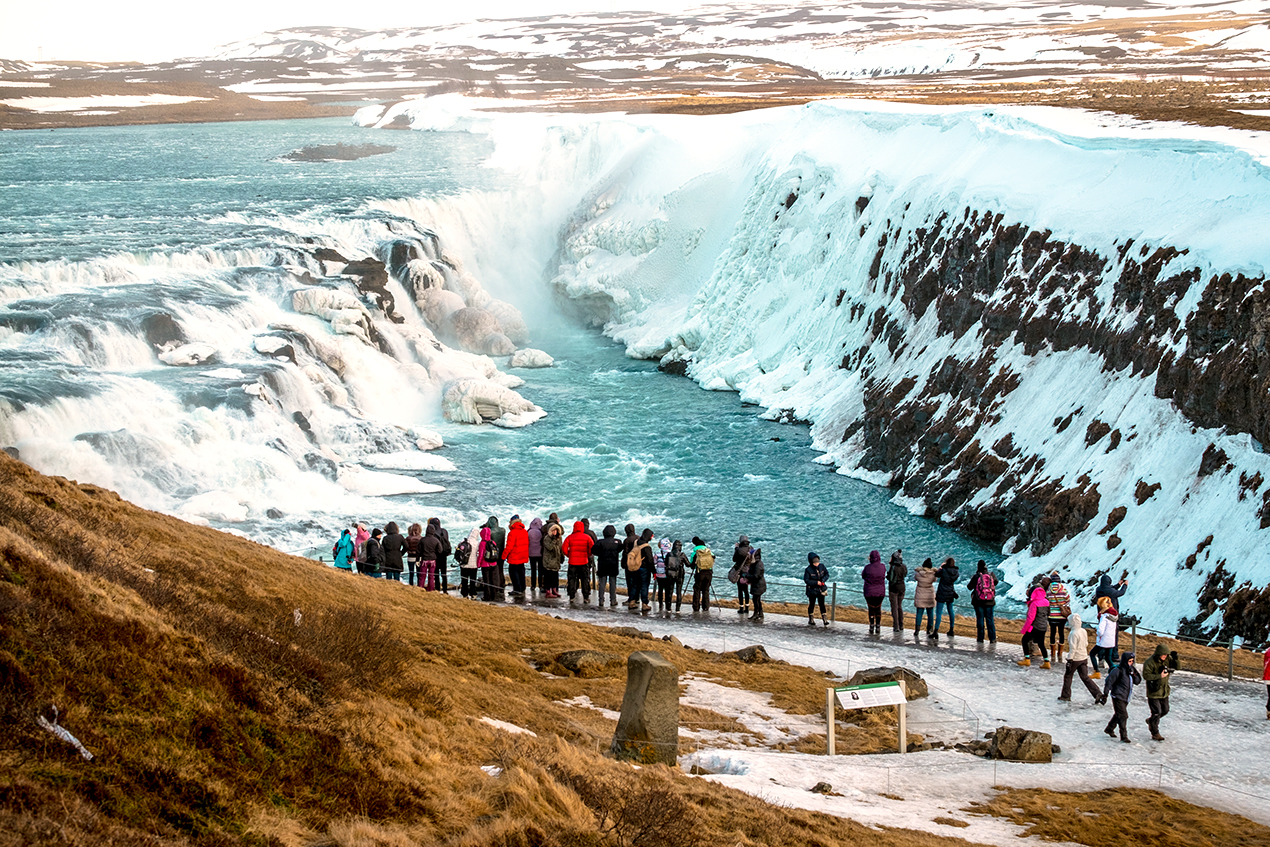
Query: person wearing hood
(359,548)
(443,535)
(945,594)
(516,554)
(552,558)
(374,555)
(758,584)
(430,552)
(674,565)
(816,580)
(647,561)
(1035,624)
(343,551)
(1156,672)
(577,551)
(1077,660)
(1119,687)
(595,539)
(394,544)
(535,553)
(498,537)
(896,575)
(608,561)
(703,565)
(739,555)
(924,598)
(874,575)
(470,565)
(489,558)
(659,574)
(983,597)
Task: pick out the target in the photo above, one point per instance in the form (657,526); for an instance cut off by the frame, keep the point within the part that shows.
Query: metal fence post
(833,604)
(1133,638)
(1230,659)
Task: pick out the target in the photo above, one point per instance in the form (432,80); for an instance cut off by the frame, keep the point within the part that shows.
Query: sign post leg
(829,718)
(903,719)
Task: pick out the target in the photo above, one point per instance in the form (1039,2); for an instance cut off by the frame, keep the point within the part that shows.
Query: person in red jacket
(516,554)
(577,552)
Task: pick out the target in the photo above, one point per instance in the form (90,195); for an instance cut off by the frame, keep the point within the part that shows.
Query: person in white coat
(1108,624)
(1077,660)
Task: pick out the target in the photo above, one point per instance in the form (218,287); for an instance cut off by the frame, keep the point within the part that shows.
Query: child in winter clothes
(1035,624)
(1119,687)
(1060,600)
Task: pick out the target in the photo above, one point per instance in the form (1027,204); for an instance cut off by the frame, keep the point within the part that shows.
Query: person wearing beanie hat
(815,577)
(1156,672)
(896,574)
(1119,687)
(874,576)
(758,584)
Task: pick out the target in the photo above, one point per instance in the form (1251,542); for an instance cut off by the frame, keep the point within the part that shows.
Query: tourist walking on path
(1156,672)
(430,552)
(739,563)
(924,597)
(1035,624)
(552,558)
(577,552)
(534,535)
(874,576)
(394,544)
(343,551)
(896,575)
(945,594)
(1119,687)
(516,554)
(1077,660)
(758,584)
(703,565)
(816,579)
(608,561)
(1060,600)
(983,597)
(1108,624)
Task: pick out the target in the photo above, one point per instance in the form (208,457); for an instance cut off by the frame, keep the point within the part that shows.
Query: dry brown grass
(1122,817)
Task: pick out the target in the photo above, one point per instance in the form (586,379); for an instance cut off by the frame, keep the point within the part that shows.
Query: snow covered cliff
(1045,328)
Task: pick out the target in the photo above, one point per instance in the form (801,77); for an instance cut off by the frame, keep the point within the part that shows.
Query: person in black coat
(1119,687)
(816,579)
(740,553)
(374,554)
(443,536)
(608,561)
(945,594)
(896,574)
(394,544)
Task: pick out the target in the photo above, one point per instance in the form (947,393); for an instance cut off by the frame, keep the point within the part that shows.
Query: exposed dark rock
(1022,745)
(675,367)
(914,686)
(755,654)
(321,464)
(630,632)
(162,330)
(1145,492)
(589,663)
(13,451)
(822,788)
(274,514)
(1095,432)
(1114,517)
(1213,460)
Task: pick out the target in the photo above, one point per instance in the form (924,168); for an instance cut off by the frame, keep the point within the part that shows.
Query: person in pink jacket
(1265,677)
(1036,624)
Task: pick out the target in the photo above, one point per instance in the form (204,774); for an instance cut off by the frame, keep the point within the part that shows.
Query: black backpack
(491,552)
(463,552)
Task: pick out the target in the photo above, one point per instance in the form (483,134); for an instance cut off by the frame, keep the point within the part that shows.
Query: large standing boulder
(914,685)
(648,730)
(1021,745)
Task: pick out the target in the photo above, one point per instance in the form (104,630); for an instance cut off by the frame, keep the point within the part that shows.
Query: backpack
(985,589)
(463,552)
(490,555)
(705,559)
(635,558)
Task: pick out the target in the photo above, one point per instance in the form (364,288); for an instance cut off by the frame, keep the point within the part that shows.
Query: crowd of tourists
(496,562)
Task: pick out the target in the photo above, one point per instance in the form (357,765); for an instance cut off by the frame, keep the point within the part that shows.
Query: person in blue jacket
(343,552)
(1119,687)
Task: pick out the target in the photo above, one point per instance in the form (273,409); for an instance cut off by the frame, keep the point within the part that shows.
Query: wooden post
(829,718)
(903,719)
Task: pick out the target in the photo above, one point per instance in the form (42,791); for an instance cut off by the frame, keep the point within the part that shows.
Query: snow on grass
(99,101)
(507,727)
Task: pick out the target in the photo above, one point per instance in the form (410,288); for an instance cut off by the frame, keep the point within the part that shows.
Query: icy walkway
(1214,753)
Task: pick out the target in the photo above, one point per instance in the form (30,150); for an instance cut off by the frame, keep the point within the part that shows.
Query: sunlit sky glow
(152,31)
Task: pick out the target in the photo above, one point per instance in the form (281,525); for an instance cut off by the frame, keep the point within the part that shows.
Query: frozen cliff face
(1046,329)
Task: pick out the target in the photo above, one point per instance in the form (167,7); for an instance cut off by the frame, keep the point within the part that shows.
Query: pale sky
(150,31)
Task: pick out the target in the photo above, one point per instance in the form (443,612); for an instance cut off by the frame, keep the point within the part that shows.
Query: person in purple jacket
(874,591)
(535,552)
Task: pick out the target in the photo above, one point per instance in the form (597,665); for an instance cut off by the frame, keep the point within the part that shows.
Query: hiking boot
(826,622)
(1155,736)
(1065,699)
(1095,675)
(811,621)
(1046,664)
(645,607)
(934,636)
(1025,663)
(1110,732)
(757,617)
(1125,741)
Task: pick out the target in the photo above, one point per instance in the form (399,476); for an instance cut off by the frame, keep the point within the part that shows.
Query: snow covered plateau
(1044,327)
